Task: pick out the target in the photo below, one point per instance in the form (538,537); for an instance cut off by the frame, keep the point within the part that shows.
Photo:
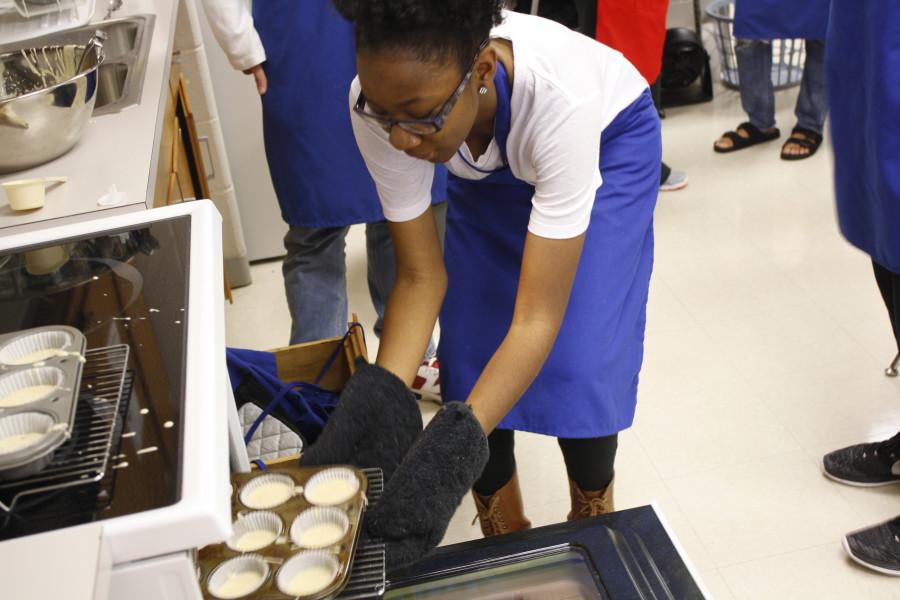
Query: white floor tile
(715,427)
(820,573)
(716,586)
(762,507)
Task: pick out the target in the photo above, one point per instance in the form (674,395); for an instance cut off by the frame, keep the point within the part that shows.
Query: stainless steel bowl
(45,102)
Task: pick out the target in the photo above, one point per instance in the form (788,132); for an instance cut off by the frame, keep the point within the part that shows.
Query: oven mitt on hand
(418,502)
(375,422)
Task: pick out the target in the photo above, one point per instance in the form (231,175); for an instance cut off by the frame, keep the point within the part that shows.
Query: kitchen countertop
(115,149)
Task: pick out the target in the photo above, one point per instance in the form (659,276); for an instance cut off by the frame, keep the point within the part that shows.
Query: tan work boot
(586,503)
(502,511)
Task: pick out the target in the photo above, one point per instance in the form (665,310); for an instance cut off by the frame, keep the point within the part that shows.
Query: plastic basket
(788,55)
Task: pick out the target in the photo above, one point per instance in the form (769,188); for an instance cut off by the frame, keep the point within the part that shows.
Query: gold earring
(482,90)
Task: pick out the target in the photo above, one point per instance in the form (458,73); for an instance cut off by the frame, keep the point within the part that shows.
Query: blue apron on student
(319,176)
(864,104)
(781,19)
(588,386)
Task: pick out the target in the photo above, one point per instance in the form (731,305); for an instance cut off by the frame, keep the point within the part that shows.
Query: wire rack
(85,457)
(367,576)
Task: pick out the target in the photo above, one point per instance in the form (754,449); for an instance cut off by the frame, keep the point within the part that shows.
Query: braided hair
(432,30)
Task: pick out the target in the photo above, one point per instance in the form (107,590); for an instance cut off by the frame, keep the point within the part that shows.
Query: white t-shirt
(567,88)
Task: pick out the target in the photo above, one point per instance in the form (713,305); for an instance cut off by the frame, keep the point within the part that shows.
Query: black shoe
(865,465)
(877,547)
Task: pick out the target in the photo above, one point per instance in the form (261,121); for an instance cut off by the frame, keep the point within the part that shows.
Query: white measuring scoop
(28,194)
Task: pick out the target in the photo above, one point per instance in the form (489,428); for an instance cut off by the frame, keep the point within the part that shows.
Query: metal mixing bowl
(45,102)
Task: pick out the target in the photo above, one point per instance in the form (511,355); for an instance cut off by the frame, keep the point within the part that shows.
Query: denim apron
(781,19)
(864,104)
(317,171)
(588,386)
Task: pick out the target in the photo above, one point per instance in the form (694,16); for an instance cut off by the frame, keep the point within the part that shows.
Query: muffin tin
(40,374)
(285,546)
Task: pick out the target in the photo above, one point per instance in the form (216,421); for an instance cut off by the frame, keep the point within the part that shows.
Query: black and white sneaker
(865,465)
(877,548)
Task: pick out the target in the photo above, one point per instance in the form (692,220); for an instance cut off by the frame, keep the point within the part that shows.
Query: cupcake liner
(332,487)
(262,521)
(240,573)
(32,385)
(278,490)
(16,429)
(36,347)
(307,573)
(320,527)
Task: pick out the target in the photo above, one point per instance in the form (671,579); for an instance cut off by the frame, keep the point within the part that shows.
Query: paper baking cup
(238,577)
(267,491)
(331,487)
(36,426)
(307,573)
(327,524)
(268,525)
(35,347)
(33,385)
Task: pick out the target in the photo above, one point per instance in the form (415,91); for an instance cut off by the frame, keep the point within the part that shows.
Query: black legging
(589,461)
(889,285)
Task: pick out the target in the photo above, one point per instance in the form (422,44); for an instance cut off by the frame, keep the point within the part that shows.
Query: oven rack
(367,577)
(85,457)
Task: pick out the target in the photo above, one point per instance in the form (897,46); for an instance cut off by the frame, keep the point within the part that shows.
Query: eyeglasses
(421,126)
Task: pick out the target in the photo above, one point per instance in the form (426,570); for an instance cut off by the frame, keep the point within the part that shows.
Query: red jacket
(637,29)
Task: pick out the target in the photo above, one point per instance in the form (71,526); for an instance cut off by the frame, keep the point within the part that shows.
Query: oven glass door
(562,574)
(124,287)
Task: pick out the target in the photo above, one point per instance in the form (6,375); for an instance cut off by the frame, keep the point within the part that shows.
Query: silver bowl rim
(100,58)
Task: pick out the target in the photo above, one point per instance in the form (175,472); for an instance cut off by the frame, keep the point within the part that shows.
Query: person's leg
(315,282)
(669,179)
(754,60)
(812,105)
(381,272)
(889,286)
(590,464)
(664,172)
(498,498)
(501,465)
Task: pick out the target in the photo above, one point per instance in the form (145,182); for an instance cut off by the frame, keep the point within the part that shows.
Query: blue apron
(781,19)
(588,386)
(319,176)
(862,62)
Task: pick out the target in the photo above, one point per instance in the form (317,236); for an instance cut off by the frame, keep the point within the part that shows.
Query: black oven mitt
(374,424)
(419,501)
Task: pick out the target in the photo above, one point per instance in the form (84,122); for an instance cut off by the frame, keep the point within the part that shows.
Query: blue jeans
(315,277)
(754,60)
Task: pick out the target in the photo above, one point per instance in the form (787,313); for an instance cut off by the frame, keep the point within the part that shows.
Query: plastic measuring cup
(28,194)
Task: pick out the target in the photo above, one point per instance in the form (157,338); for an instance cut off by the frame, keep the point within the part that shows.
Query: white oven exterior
(151,552)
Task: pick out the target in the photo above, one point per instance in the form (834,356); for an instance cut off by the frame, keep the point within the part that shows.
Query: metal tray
(283,548)
(60,406)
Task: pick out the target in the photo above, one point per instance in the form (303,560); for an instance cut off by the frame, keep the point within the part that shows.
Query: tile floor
(766,343)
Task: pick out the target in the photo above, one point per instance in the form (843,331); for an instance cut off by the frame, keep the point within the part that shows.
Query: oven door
(627,554)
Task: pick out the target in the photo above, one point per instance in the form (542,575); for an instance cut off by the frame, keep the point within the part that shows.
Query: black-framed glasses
(421,126)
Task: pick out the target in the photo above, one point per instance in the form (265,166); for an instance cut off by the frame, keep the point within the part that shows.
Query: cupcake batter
(268,495)
(39,356)
(330,492)
(255,539)
(26,395)
(321,535)
(310,581)
(17,442)
(239,583)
